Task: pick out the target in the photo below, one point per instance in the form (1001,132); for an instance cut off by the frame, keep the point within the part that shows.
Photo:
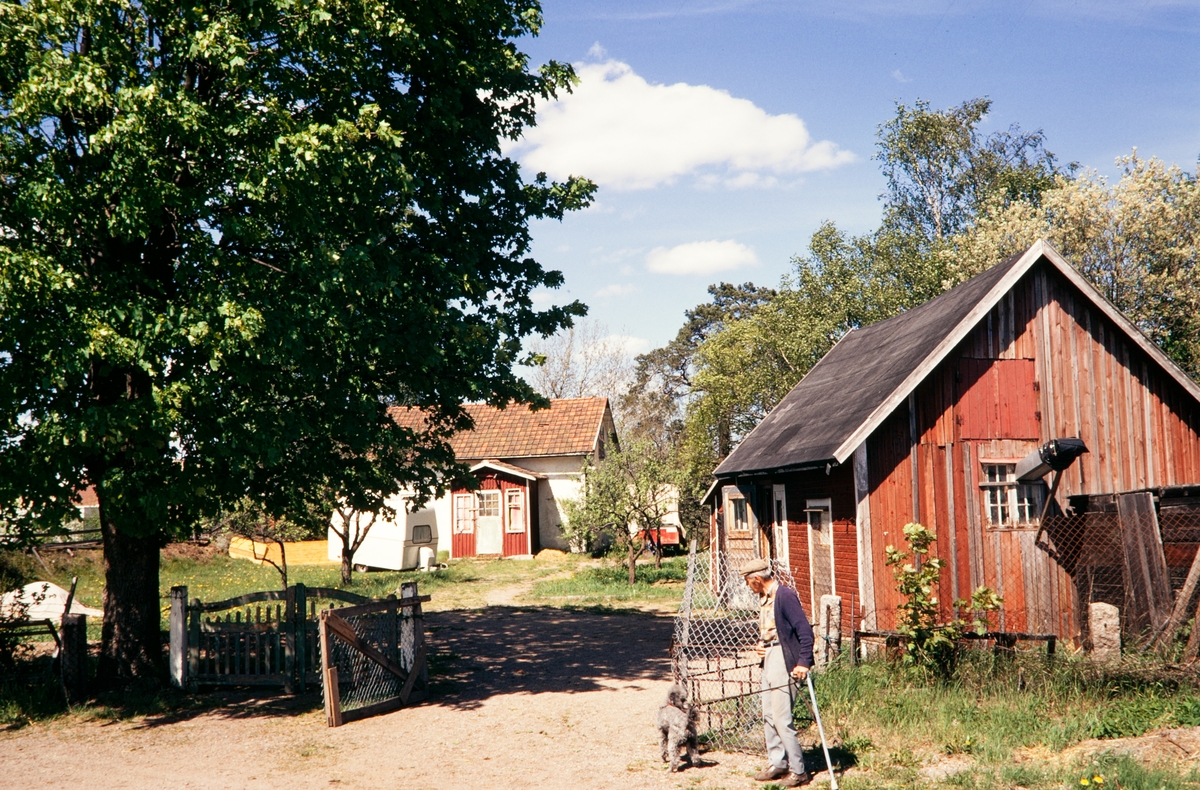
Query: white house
(526,464)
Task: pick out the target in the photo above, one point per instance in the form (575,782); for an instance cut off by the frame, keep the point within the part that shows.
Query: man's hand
(800,672)
(760,649)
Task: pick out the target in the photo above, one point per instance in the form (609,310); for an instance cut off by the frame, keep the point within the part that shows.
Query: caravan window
(422,533)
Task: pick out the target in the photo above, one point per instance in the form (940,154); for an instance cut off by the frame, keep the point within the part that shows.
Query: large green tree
(942,173)
(231,235)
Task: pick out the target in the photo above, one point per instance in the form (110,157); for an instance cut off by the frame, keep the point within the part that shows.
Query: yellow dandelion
(1084,781)
(1098,780)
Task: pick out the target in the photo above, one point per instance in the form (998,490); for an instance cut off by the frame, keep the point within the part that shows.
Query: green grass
(608,585)
(892,720)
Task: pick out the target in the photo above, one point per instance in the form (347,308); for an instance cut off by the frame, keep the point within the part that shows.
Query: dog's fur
(677,724)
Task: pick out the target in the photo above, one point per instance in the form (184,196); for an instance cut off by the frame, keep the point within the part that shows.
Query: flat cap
(755,566)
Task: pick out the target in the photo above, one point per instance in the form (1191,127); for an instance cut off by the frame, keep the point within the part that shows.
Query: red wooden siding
(514,543)
(1044,363)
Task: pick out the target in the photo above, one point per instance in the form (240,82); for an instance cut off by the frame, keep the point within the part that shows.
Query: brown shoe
(796,780)
(770,774)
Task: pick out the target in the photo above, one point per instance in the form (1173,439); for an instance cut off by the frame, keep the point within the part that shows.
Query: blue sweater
(795,634)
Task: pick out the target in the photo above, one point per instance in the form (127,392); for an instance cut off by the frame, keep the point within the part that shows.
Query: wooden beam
(345,632)
(1183,602)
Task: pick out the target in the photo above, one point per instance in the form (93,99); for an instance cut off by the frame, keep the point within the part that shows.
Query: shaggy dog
(677,723)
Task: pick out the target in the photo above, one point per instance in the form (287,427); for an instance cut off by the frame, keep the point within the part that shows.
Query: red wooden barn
(925,416)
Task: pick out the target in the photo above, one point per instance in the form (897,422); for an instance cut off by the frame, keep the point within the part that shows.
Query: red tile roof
(570,426)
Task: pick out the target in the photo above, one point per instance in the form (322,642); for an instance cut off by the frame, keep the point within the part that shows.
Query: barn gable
(935,408)
(872,370)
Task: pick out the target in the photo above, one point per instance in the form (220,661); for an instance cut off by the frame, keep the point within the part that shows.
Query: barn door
(820,550)
(779,500)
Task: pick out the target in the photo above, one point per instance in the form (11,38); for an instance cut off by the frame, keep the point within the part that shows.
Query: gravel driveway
(523,698)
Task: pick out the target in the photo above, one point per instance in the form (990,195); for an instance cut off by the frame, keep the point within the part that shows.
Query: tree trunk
(131,637)
(632,555)
(347,566)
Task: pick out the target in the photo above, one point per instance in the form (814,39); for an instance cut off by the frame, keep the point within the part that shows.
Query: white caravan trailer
(409,542)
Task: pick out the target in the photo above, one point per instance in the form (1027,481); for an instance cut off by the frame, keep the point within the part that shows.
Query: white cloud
(701,257)
(630,345)
(616,289)
(597,52)
(898,76)
(626,133)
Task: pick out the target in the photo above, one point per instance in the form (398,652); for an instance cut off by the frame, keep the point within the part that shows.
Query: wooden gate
(266,638)
(373,656)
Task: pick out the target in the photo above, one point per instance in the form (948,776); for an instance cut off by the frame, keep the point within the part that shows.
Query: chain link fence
(716,631)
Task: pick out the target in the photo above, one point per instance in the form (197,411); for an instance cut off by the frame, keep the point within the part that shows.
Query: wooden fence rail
(266,638)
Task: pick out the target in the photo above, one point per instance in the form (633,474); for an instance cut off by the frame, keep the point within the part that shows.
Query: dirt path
(524,697)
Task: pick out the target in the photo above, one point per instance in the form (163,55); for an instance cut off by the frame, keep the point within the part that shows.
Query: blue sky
(723,133)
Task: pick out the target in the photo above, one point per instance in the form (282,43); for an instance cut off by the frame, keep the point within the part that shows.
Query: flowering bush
(932,644)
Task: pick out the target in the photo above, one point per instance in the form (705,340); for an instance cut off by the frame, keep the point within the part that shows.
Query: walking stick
(821,729)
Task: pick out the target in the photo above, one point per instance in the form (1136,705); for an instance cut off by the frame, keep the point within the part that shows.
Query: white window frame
(1006,503)
(464,514)
(512,495)
(736,525)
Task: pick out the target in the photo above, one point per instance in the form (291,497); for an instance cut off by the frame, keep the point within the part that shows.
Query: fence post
(73,658)
(193,652)
(289,641)
(179,637)
(301,626)
(830,628)
(412,631)
(1104,627)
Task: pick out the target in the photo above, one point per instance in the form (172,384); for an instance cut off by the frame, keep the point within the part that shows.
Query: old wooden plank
(951,521)
(866,559)
(1145,562)
(333,698)
(1183,604)
(974,529)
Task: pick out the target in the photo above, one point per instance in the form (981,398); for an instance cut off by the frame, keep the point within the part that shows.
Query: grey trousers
(783,749)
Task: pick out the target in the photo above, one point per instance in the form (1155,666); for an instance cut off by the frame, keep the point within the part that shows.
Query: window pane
(422,534)
(489,503)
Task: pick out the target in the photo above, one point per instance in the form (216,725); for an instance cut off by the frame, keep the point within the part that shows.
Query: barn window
(741,519)
(422,534)
(1007,502)
(489,503)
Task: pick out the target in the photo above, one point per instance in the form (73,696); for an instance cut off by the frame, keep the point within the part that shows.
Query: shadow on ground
(482,653)
(475,654)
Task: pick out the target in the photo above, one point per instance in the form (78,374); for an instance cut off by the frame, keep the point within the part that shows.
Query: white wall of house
(561,483)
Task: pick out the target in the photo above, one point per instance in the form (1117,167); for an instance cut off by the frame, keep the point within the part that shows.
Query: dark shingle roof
(570,426)
(854,379)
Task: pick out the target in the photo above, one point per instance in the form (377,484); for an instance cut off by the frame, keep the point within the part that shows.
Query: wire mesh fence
(716,631)
(373,657)
(363,681)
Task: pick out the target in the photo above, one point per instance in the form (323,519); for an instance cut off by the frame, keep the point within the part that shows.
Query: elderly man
(786,648)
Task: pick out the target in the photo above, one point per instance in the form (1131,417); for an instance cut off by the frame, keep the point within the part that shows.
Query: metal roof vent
(1053,456)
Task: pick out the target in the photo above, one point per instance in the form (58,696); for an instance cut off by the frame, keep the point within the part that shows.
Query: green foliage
(610,584)
(625,495)
(932,644)
(941,171)
(1137,241)
(990,708)
(234,234)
